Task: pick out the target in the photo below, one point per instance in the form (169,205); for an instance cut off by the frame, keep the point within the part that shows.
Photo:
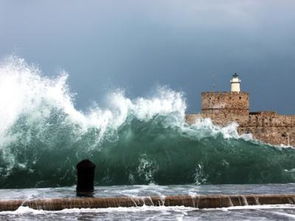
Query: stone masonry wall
(226,107)
(225,103)
(268,127)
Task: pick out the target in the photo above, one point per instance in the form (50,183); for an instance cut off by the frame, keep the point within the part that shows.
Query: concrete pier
(201,202)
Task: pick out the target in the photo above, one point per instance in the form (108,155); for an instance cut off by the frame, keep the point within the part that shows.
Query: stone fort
(226,107)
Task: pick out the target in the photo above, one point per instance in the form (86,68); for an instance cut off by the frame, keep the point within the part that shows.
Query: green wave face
(140,141)
(140,152)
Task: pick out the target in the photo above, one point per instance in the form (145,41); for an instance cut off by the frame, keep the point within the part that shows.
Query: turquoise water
(141,152)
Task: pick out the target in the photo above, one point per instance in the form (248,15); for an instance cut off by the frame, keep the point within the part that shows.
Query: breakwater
(201,202)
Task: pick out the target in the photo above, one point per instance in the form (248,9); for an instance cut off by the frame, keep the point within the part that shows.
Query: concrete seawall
(201,201)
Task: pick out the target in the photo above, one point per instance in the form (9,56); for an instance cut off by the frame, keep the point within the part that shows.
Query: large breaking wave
(132,141)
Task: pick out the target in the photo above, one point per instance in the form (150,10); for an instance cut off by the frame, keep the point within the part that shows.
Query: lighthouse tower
(235,83)
(234,102)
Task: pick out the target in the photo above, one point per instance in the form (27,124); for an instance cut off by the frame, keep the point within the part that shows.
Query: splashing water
(138,141)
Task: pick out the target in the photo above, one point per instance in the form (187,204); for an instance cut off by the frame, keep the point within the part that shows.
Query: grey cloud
(188,45)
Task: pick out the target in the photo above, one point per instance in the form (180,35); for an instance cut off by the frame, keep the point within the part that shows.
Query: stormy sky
(187,45)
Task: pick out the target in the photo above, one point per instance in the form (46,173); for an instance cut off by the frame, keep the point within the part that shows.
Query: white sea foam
(27,210)
(205,128)
(23,89)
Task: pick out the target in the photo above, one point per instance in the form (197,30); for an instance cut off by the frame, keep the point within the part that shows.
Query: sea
(141,147)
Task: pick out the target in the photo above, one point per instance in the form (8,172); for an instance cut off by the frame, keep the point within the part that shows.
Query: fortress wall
(226,107)
(270,119)
(225,102)
(272,135)
(284,120)
(224,119)
(271,127)
(261,119)
(268,127)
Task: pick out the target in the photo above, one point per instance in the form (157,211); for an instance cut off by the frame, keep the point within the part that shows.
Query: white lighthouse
(235,83)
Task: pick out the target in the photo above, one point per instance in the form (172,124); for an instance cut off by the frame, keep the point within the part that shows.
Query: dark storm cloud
(190,45)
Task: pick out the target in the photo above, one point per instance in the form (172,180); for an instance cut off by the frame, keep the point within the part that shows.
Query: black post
(85,178)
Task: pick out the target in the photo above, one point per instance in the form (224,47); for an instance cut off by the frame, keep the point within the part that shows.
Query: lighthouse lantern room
(235,83)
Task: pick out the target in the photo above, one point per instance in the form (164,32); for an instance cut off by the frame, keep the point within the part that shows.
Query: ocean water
(133,142)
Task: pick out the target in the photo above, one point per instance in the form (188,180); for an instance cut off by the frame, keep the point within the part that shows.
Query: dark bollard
(85,178)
